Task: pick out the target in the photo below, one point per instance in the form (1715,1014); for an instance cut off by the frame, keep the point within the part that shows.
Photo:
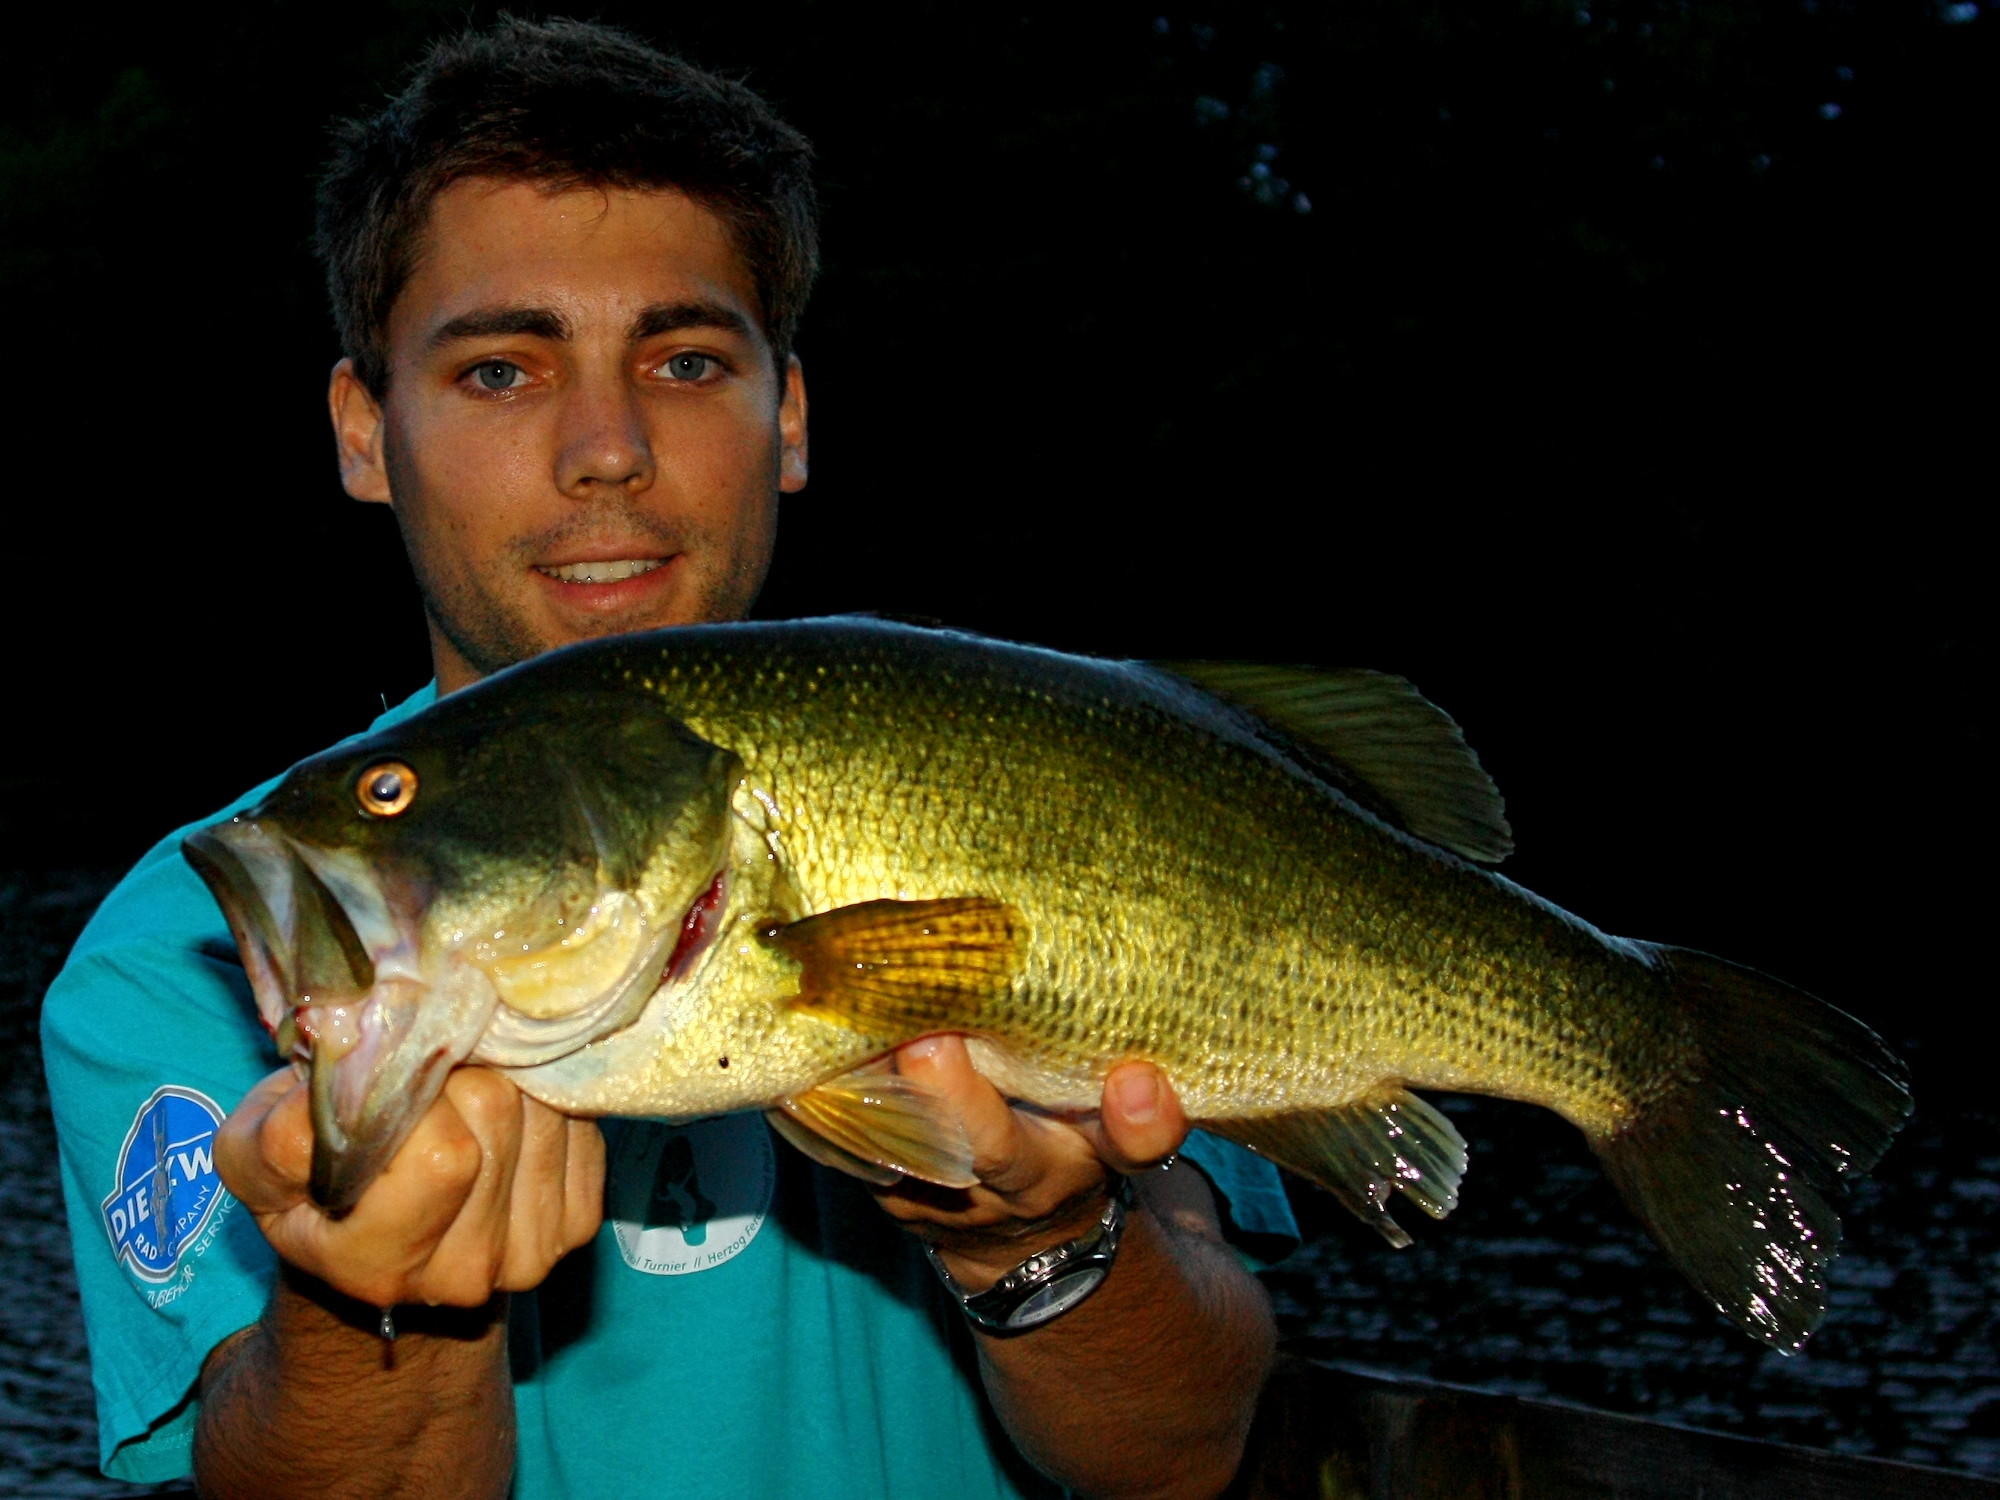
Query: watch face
(1057,1297)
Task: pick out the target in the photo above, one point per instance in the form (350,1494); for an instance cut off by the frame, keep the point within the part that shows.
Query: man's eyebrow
(673,317)
(491,322)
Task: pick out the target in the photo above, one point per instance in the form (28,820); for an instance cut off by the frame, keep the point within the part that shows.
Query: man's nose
(604,442)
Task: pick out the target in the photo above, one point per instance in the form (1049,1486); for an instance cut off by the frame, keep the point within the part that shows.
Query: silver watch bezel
(1048,1283)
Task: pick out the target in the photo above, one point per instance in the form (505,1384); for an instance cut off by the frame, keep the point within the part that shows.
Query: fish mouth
(333,955)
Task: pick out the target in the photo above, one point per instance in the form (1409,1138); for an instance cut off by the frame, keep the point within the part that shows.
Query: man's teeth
(604,572)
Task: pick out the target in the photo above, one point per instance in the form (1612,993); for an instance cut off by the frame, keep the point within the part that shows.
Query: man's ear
(357,435)
(791,430)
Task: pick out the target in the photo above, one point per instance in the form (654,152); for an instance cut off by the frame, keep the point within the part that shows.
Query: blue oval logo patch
(168,1190)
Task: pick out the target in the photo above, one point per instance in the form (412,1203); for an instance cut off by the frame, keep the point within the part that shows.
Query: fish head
(501,879)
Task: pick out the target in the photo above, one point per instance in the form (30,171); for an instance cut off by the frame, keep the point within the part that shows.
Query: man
(567,272)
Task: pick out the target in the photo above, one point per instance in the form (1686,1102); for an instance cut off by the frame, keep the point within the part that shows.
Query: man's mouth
(616,571)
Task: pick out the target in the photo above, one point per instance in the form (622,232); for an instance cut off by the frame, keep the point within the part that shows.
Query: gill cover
(519,905)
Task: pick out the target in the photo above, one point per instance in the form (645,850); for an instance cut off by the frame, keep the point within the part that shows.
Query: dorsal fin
(1393,750)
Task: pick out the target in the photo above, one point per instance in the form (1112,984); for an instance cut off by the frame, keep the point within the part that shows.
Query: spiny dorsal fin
(1390,1141)
(878,1126)
(1401,755)
(903,968)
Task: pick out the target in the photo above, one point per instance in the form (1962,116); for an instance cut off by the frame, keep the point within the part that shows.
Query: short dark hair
(563,104)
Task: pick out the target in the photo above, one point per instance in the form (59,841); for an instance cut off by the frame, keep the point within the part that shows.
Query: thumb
(1140,1119)
(263,1152)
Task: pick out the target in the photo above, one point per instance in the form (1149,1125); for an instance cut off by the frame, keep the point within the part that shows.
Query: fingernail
(1137,1092)
(927,1048)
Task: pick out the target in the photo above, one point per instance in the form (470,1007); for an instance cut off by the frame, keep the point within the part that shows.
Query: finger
(375,1252)
(1141,1122)
(263,1151)
(1030,1167)
(465,1268)
(583,1183)
(535,1207)
(942,1065)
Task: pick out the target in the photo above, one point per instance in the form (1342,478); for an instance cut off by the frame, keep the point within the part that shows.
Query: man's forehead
(591,254)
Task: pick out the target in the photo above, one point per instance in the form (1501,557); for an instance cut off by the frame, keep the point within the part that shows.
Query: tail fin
(1727,1172)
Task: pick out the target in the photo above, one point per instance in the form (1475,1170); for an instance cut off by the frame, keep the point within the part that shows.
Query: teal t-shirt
(745,1323)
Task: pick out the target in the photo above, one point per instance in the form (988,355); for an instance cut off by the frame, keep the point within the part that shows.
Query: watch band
(1049,1283)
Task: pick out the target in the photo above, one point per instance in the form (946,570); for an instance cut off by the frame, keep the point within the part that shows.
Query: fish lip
(369,1088)
(223,857)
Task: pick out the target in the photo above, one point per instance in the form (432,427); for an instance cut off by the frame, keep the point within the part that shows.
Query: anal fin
(903,968)
(878,1126)
(1386,1142)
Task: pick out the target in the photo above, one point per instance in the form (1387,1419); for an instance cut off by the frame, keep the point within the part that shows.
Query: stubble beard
(470,609)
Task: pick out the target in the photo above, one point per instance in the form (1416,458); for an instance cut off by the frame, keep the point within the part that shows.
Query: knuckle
(483,1096)
(449,1164)
(525,1272)
(462,1283)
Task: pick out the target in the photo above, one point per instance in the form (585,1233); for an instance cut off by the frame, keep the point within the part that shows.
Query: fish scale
(1328,919)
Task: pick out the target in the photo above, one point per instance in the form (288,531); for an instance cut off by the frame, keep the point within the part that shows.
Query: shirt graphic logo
(686,1198)
(167,1192)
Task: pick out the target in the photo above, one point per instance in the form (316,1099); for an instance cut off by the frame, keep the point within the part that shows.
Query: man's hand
(1041,1181)
(1147,1388)
(489,1192)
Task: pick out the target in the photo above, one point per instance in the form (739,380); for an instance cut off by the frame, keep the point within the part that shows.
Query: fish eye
(386,788)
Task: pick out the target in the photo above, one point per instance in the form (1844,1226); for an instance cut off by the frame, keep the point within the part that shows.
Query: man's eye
(499,375)
(688,366)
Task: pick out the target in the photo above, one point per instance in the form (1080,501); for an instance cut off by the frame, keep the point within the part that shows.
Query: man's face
(584,431)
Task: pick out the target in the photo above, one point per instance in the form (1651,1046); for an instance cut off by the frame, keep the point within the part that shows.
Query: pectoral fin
(1390,1141)
(902,968)
(878,1126)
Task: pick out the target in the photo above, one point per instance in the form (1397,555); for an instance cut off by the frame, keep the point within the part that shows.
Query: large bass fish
(731,867)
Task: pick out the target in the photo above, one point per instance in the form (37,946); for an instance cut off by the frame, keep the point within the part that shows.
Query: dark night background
(1612,368)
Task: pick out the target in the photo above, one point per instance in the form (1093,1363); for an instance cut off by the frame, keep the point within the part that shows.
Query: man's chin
(470,643)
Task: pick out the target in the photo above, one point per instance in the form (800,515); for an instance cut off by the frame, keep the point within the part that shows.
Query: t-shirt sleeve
(1256,1215)
(150,1037)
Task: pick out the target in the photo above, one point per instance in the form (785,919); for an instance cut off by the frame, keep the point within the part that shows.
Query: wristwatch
(1048,1284)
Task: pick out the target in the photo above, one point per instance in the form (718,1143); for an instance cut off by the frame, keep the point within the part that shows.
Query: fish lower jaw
(616,571)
